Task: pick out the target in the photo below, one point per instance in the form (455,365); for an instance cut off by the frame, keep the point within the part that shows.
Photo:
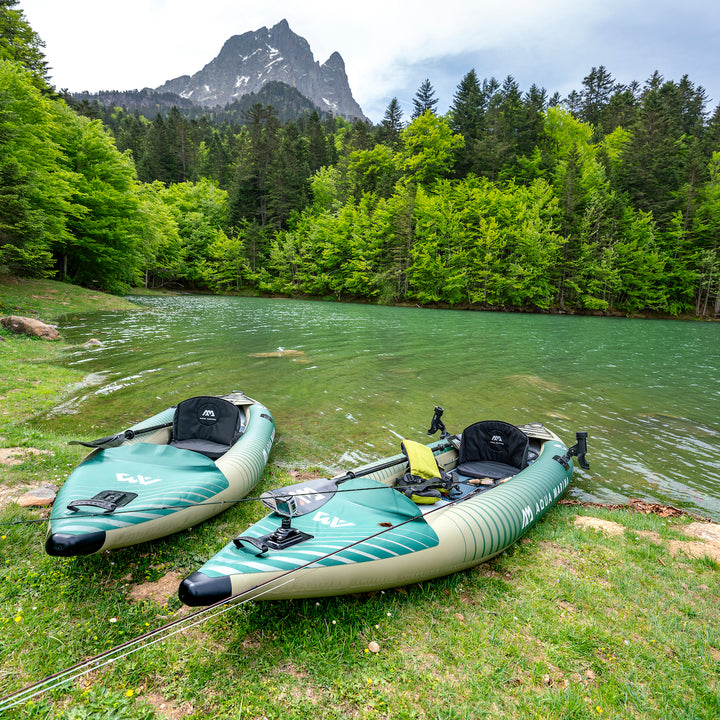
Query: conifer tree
(466,119)
(20,43)
(598,87)
(288,186)
(318,150)
(424,100)
(392,125)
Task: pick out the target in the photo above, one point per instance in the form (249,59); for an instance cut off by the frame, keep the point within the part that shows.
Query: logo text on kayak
(140,479)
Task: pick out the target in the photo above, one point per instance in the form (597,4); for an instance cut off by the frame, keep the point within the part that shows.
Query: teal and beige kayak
(363,532)
(165,474)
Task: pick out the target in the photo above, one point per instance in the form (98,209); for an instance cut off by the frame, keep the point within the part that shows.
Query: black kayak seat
(492,449)
(207,425)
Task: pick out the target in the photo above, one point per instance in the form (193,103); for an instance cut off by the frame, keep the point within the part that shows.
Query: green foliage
(19,43)
(104,223)
(606,202)
(37,185)
(199,211)
(429,146)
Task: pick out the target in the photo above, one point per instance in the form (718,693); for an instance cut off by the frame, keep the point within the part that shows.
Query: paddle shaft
(352,474)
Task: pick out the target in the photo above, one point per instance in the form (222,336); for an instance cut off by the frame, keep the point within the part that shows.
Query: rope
(254,498)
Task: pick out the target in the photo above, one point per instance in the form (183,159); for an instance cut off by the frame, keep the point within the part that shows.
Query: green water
(362,377)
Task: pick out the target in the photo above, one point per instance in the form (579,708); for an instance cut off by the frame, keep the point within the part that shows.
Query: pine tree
(392,125)
(466,119)
(424,100)
(249,192)
(288,187)
(318,150)
(20,43)
(598,87)
(662,155)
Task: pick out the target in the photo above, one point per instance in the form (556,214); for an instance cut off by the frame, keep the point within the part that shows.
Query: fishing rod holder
(578,450)
(281,538)
(437,424)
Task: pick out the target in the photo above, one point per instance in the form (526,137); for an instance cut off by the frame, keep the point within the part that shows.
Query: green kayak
(430,511)
(165,474)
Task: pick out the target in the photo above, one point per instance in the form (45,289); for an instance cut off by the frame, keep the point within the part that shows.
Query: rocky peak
(247,62)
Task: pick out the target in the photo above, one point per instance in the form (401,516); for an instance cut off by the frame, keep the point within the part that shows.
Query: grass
(570,623)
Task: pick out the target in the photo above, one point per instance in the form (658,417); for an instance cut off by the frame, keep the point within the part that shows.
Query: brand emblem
(333,522)
(140,479)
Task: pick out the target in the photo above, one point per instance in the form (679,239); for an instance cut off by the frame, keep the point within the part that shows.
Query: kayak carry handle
(106,500)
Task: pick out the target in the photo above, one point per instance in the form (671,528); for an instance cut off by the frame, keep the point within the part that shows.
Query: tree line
(605,201)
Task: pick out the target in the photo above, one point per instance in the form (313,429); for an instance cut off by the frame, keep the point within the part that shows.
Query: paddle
(116,440)
(435,425)
(128,647)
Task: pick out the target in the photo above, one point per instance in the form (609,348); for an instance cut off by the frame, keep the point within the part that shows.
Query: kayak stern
(68,545)
(200,589)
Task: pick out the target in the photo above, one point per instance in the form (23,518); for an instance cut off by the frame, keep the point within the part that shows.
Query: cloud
(389,48)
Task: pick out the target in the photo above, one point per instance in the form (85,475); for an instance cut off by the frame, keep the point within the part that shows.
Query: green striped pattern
(345,519)
(489,523)
(168,481)
(165,479)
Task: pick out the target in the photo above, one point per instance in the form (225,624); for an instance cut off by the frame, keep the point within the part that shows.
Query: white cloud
(388,47)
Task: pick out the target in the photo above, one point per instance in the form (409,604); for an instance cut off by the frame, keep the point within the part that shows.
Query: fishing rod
(138,643)
(338,480)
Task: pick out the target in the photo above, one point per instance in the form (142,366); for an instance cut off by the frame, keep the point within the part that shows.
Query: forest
(606,201)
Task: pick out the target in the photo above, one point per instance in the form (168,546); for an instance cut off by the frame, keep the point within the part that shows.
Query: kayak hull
(401,545)
(156,489)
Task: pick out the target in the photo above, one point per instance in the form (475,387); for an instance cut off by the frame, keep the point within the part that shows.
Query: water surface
(346,382)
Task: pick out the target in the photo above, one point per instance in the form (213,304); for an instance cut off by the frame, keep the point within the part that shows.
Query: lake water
(346,382)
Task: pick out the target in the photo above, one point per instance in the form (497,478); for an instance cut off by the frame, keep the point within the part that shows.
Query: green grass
(570,623)
(49,300)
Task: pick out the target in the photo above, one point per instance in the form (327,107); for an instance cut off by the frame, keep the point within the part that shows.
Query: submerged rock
(281,352)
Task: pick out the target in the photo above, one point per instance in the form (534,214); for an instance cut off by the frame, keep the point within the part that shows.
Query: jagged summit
(247,62)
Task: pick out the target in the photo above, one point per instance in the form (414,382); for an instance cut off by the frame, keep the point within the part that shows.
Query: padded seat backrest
(207,418)
(494,441)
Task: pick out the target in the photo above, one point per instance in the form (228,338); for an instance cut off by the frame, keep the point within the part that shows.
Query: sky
(391,46)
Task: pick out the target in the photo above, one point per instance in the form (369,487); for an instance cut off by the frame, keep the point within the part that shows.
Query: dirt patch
(17,455)
(587,522)
(706,543)
(650,536)
(695,549)
(168,709)
(300,687)
(710,532)
(159,591)
(301,476)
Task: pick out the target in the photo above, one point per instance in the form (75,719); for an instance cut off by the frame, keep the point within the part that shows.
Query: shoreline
(599,611)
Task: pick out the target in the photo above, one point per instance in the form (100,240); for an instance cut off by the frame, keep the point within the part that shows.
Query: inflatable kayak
(165,474)
(430,511)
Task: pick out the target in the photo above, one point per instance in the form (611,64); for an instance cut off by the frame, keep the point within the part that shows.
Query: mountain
(288,102)
(249,61)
